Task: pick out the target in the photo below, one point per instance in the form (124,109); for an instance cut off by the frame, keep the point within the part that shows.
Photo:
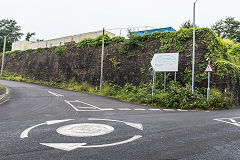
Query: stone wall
(132,67)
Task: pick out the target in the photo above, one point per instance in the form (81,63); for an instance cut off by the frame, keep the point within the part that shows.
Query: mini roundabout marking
(84,130)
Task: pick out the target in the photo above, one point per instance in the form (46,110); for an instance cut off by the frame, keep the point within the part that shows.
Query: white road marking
(64,146)
(135,125)
(85,130)
(95,108)
(233,122)
(71,105)
(182,110)
(168,109)
(106,109)
(124,109)
(88,104)
(154,109)
(55,94)
(91,107)
(139,109)
(24,134)
(72,146)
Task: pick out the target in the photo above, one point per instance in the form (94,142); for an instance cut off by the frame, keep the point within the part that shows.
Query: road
(39,122)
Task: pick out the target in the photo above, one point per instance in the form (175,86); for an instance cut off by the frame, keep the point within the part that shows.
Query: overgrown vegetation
(115,63)
(224,55)
(176,95)
(1,86)
(59,50)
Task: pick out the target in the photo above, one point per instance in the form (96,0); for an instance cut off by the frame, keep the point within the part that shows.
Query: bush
(39,50)
(59,50)
(183,98)
(84,87)
(108,89)
(217,100)
(118,39)
(176,95)
(160,98)
(29,50)
(94,42)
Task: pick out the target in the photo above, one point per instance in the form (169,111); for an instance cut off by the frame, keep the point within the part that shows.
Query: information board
(165,62)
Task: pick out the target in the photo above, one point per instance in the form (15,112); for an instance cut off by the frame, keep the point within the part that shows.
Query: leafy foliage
(10,29)
(94,42)
(59,50)
(117,39)
(115,63)
(228,28)
(187,24)
(29,35)
(176,96)
(39,50)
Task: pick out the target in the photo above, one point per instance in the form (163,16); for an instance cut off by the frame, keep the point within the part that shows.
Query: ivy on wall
(224,54)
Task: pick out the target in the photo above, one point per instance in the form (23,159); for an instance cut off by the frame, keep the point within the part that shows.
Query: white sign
(208,68)
(165,62)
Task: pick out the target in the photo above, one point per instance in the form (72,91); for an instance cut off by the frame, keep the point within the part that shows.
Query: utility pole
(193,55)
(208,89)
(4,47)
(101,77)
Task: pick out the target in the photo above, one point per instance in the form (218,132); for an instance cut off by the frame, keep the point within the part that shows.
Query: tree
(228,28)
(10,29)
(188,24)
(29,35)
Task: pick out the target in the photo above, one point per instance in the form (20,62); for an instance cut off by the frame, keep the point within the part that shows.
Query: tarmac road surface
(39,122)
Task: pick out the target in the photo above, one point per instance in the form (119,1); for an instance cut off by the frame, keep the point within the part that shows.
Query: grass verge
(177,96)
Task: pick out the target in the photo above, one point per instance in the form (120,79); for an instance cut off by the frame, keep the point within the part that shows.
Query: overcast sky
(57,18)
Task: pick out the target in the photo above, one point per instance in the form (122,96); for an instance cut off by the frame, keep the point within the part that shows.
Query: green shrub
(84,87)
(115,63)
(183,98)
(160,98)
(217,100)
(176,95)
(94,42)
(108,89)
(29,50)
(117,39)
(235,50)
(39,50)
(59,50)
(14,53)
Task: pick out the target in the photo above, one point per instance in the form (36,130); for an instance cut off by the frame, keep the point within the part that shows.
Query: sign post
(209,70)
(154,81)
(164,62)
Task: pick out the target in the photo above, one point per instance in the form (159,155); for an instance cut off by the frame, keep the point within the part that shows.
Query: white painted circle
(85,130)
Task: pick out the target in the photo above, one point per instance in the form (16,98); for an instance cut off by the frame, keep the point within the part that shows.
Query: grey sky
(57,18)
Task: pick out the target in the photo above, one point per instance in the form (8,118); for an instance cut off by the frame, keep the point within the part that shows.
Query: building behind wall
(24,45)
(150,31)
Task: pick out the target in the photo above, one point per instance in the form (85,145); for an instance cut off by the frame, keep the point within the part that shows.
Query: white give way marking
(84,130)
(234,120)
(78,105)
(55,94)
(83,106)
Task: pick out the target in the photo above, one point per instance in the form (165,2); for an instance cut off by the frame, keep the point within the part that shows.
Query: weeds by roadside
(176,96)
